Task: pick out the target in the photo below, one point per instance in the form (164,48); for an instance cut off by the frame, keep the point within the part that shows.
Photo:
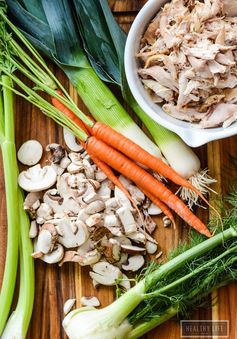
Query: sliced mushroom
(33,229)
(32,203)
(95,207)
(68,305)
(135,262)
(60,204)
(105,273)
(37,179)
(151,247)
(74,168)
(82,215)
(137,237)
(71,141)
(112,251)
(111,220)
(127,219)
(133,249)
(149,223)
(94,219)
(105,190)
(67,235)
(30,152)
(121,198)
(153,209)
(116,231)
(44,213)
(90,258)
(100,175)
(57,152)
(45,241)
(111,204)
(55,256)
(90,301)
(88,198)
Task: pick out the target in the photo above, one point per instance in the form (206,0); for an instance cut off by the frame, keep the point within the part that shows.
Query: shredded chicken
(188,61)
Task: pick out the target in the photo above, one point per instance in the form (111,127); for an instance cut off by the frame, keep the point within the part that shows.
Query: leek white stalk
(179,156)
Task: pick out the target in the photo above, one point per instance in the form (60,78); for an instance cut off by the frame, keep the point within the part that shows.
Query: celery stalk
(11,187)
(19,320)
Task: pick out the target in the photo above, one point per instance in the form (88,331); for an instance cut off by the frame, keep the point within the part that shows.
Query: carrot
(115,180)
(129,169)
(138,154)
(161,205)
(60,106)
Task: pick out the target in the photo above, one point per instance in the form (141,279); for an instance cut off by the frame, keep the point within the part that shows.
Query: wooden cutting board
(55,285)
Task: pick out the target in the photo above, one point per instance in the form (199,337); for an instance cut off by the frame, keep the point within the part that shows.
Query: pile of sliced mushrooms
(188,59)
(77,215)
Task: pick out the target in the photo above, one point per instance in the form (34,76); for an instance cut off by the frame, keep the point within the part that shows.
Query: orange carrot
(60,106)
(115,180)
(129,169)
(138,154)
(161,205)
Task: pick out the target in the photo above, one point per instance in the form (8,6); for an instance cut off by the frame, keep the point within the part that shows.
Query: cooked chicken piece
(169,64)
(226,58)
(230,7)
(159,74)
(229,82)
(206,53)
(190,115)
(220,39)
(150,34)
(183,83)
(215,67)
(207,10)
(220,113)
(229,121)
(213,99)
(156,99)
(155,58)
(163,92)
(197,64)
(231,95)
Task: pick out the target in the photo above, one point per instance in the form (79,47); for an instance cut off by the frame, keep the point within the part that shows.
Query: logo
(204,328)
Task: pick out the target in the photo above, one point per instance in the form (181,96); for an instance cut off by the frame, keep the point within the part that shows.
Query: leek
(166,290)
(52,30)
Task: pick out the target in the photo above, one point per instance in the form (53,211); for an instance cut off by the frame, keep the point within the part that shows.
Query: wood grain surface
(55,285)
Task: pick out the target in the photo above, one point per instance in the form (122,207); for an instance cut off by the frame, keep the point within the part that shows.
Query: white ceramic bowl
(193,136)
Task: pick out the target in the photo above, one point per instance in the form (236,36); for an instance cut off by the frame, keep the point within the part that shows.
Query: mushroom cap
(30,152)
(37,179)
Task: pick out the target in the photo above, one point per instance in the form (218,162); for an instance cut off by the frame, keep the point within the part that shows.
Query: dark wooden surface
(55,285)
